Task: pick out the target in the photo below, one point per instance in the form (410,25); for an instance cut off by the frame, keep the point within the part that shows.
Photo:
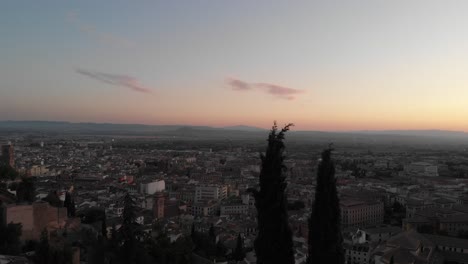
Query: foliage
(163,251)
(7,172)
(10,239)
(25,190)
(42,251)
(274,239)
(69,203)
(325,238)
(239,251)
(296,205)
(53,199)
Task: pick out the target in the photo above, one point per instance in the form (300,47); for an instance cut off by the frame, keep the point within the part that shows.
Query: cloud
(116,79)
(279,91)
(238,85)
(272,89)
(93,32)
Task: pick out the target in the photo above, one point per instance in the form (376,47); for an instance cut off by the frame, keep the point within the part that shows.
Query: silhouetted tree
(325,238)
(42,251)
(192,232)
(25,191)
(212,233)
(69,203)
(274,239)
(53,199)
(7,172)
(10,243)
(96,251)
(239,253)
(129,232)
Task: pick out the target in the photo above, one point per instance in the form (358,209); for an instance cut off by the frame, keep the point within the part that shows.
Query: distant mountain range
(239,131)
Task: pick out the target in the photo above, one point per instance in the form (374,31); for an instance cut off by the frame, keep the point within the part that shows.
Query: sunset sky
(323,65)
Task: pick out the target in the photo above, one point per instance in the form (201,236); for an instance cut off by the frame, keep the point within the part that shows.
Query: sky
(323,65)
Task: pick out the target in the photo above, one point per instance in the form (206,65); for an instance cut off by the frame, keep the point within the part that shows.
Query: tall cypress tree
(274,239)
(239,253)
(128,230)
(325,238)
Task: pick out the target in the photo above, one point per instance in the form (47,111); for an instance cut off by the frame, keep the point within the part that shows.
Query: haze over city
(323,65)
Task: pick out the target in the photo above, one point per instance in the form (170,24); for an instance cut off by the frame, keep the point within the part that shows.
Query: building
(35,217)
(454,250)
(204,209)
(358,253)
(38,170)
(158,206)
(150,188)
(7,155)
(205,193)
(356,213)
(454,224)
(408,247)
(233,207)
(421,169)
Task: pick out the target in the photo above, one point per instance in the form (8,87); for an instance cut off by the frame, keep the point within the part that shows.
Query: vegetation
(10,239)
(239,253)
(325,238)
(69,203)
(25,190)
(7,172)
(274,239)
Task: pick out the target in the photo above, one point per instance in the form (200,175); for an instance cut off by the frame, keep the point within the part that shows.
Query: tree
(53,199)
(274,239)
(239,253)
(69,203)
(7,172)
(129,231)
(10,243)
(212,233)
(42,251)
(325,238)
(25,191)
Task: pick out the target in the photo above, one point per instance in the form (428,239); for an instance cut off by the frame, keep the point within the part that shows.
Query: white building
(153,187)
(205,193)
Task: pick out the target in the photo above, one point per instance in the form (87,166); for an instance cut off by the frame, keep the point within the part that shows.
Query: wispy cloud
(238,85)
(116,79)
(278,91)
(101,36)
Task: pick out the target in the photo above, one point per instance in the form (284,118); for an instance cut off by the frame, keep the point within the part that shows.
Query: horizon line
(240,125)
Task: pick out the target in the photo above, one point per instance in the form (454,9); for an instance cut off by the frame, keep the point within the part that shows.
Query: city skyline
(334,66)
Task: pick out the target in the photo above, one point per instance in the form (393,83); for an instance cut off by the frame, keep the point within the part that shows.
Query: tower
(158,207)
(8,155)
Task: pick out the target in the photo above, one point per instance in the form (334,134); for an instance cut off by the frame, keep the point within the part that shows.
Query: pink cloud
(279,91)
(272,89)
(117,80)
(238,85)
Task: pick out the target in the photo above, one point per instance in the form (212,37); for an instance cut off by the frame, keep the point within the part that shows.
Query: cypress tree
(69,203)
(130,232)
(325,238)
(274,239)
(212,234)
(42,251)
(239,253)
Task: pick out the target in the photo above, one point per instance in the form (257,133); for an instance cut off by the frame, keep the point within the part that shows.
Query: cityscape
(234,132)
